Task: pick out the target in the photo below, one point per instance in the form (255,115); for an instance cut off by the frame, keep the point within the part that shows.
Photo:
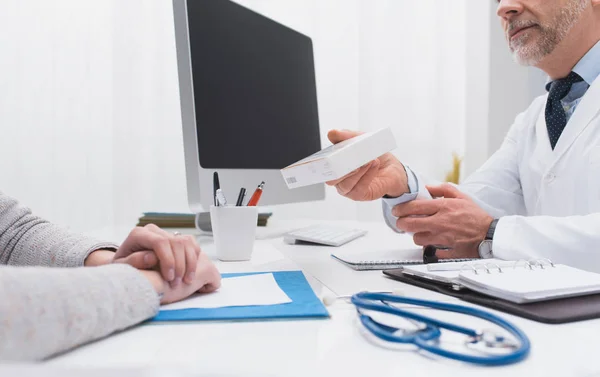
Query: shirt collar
(588,67)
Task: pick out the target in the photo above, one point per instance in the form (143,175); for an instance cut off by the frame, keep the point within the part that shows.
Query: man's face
(534,28)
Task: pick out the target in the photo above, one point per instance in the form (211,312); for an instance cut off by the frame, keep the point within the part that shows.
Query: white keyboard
(323,235)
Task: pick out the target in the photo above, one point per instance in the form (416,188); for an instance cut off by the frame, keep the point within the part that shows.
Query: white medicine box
(339,159)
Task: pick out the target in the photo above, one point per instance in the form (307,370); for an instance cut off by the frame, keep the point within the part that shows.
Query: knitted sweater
(45,311)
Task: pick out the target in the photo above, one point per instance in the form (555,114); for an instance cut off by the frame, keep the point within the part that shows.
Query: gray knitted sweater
(44,311)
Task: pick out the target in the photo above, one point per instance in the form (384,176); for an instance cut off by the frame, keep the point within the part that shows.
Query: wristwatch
(485,247)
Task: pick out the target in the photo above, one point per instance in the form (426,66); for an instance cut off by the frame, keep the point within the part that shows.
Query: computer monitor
(248,101)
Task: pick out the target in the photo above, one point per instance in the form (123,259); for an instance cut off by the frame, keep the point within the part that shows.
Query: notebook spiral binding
(489,267)
(405,261)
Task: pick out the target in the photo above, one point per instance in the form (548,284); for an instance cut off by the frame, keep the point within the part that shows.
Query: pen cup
(234,231)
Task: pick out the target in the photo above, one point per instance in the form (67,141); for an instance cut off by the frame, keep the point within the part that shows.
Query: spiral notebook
(517,281)
(361,260)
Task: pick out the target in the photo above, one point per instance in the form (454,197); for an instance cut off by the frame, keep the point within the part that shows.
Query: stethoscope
(427,336)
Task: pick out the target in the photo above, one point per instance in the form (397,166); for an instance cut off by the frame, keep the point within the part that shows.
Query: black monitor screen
(254,88)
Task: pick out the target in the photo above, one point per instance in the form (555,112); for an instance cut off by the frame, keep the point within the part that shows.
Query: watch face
(485,249)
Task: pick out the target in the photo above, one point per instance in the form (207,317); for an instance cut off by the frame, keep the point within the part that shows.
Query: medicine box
(339,159)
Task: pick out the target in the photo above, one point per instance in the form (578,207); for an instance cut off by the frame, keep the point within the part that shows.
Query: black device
(254,88)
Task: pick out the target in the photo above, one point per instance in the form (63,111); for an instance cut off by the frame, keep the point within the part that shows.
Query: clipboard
(305,304)
(565,310)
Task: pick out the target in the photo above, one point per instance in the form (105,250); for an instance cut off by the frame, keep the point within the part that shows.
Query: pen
(221,198)
(216,186)
(240,198)
(256,196)
(429,254)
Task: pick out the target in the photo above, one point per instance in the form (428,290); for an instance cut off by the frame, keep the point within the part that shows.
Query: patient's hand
(207,279)
(151,247)
(176,254)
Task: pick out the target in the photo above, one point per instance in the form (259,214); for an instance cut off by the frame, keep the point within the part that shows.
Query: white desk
(333,347)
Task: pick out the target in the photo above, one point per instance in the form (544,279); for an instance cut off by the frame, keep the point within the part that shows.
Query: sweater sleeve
(27,240)
(45,311)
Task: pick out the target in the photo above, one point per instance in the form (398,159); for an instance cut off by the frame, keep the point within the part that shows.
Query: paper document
(247,290)
(527,283)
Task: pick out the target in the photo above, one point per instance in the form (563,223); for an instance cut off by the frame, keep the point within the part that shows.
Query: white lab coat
(548,201)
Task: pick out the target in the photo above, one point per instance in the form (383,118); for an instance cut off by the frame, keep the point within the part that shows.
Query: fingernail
(190,277)
(147,258)
(171,274)
(176,282)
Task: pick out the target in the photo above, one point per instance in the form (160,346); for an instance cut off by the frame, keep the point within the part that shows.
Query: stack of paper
(237,291)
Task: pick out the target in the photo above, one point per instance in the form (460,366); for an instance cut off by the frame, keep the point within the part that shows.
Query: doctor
(538,196)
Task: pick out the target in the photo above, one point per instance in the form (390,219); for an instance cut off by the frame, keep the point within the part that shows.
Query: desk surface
(337,346)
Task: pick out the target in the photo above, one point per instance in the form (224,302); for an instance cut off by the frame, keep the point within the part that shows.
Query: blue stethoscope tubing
(426,337)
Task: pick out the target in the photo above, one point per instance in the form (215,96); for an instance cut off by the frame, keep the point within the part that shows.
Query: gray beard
(551,35)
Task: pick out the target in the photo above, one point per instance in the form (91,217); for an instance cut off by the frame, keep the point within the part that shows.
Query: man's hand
(147,247)
(380,177)
(453,220)
(207,279)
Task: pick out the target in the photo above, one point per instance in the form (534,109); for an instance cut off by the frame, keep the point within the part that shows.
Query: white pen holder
(234,231)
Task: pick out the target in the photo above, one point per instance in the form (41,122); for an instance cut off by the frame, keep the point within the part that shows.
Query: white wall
(89,97)
(56,92)
(412,79)
(149,170)
(477,85)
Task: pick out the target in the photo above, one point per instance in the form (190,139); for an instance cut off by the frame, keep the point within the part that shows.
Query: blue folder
(305,304)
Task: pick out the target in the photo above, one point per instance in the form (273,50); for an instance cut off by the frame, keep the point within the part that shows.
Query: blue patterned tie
(556,119)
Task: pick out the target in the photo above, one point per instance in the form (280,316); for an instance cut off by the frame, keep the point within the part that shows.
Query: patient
(51,303)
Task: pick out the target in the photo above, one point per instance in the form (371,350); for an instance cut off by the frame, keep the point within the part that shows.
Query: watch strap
(491,230)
